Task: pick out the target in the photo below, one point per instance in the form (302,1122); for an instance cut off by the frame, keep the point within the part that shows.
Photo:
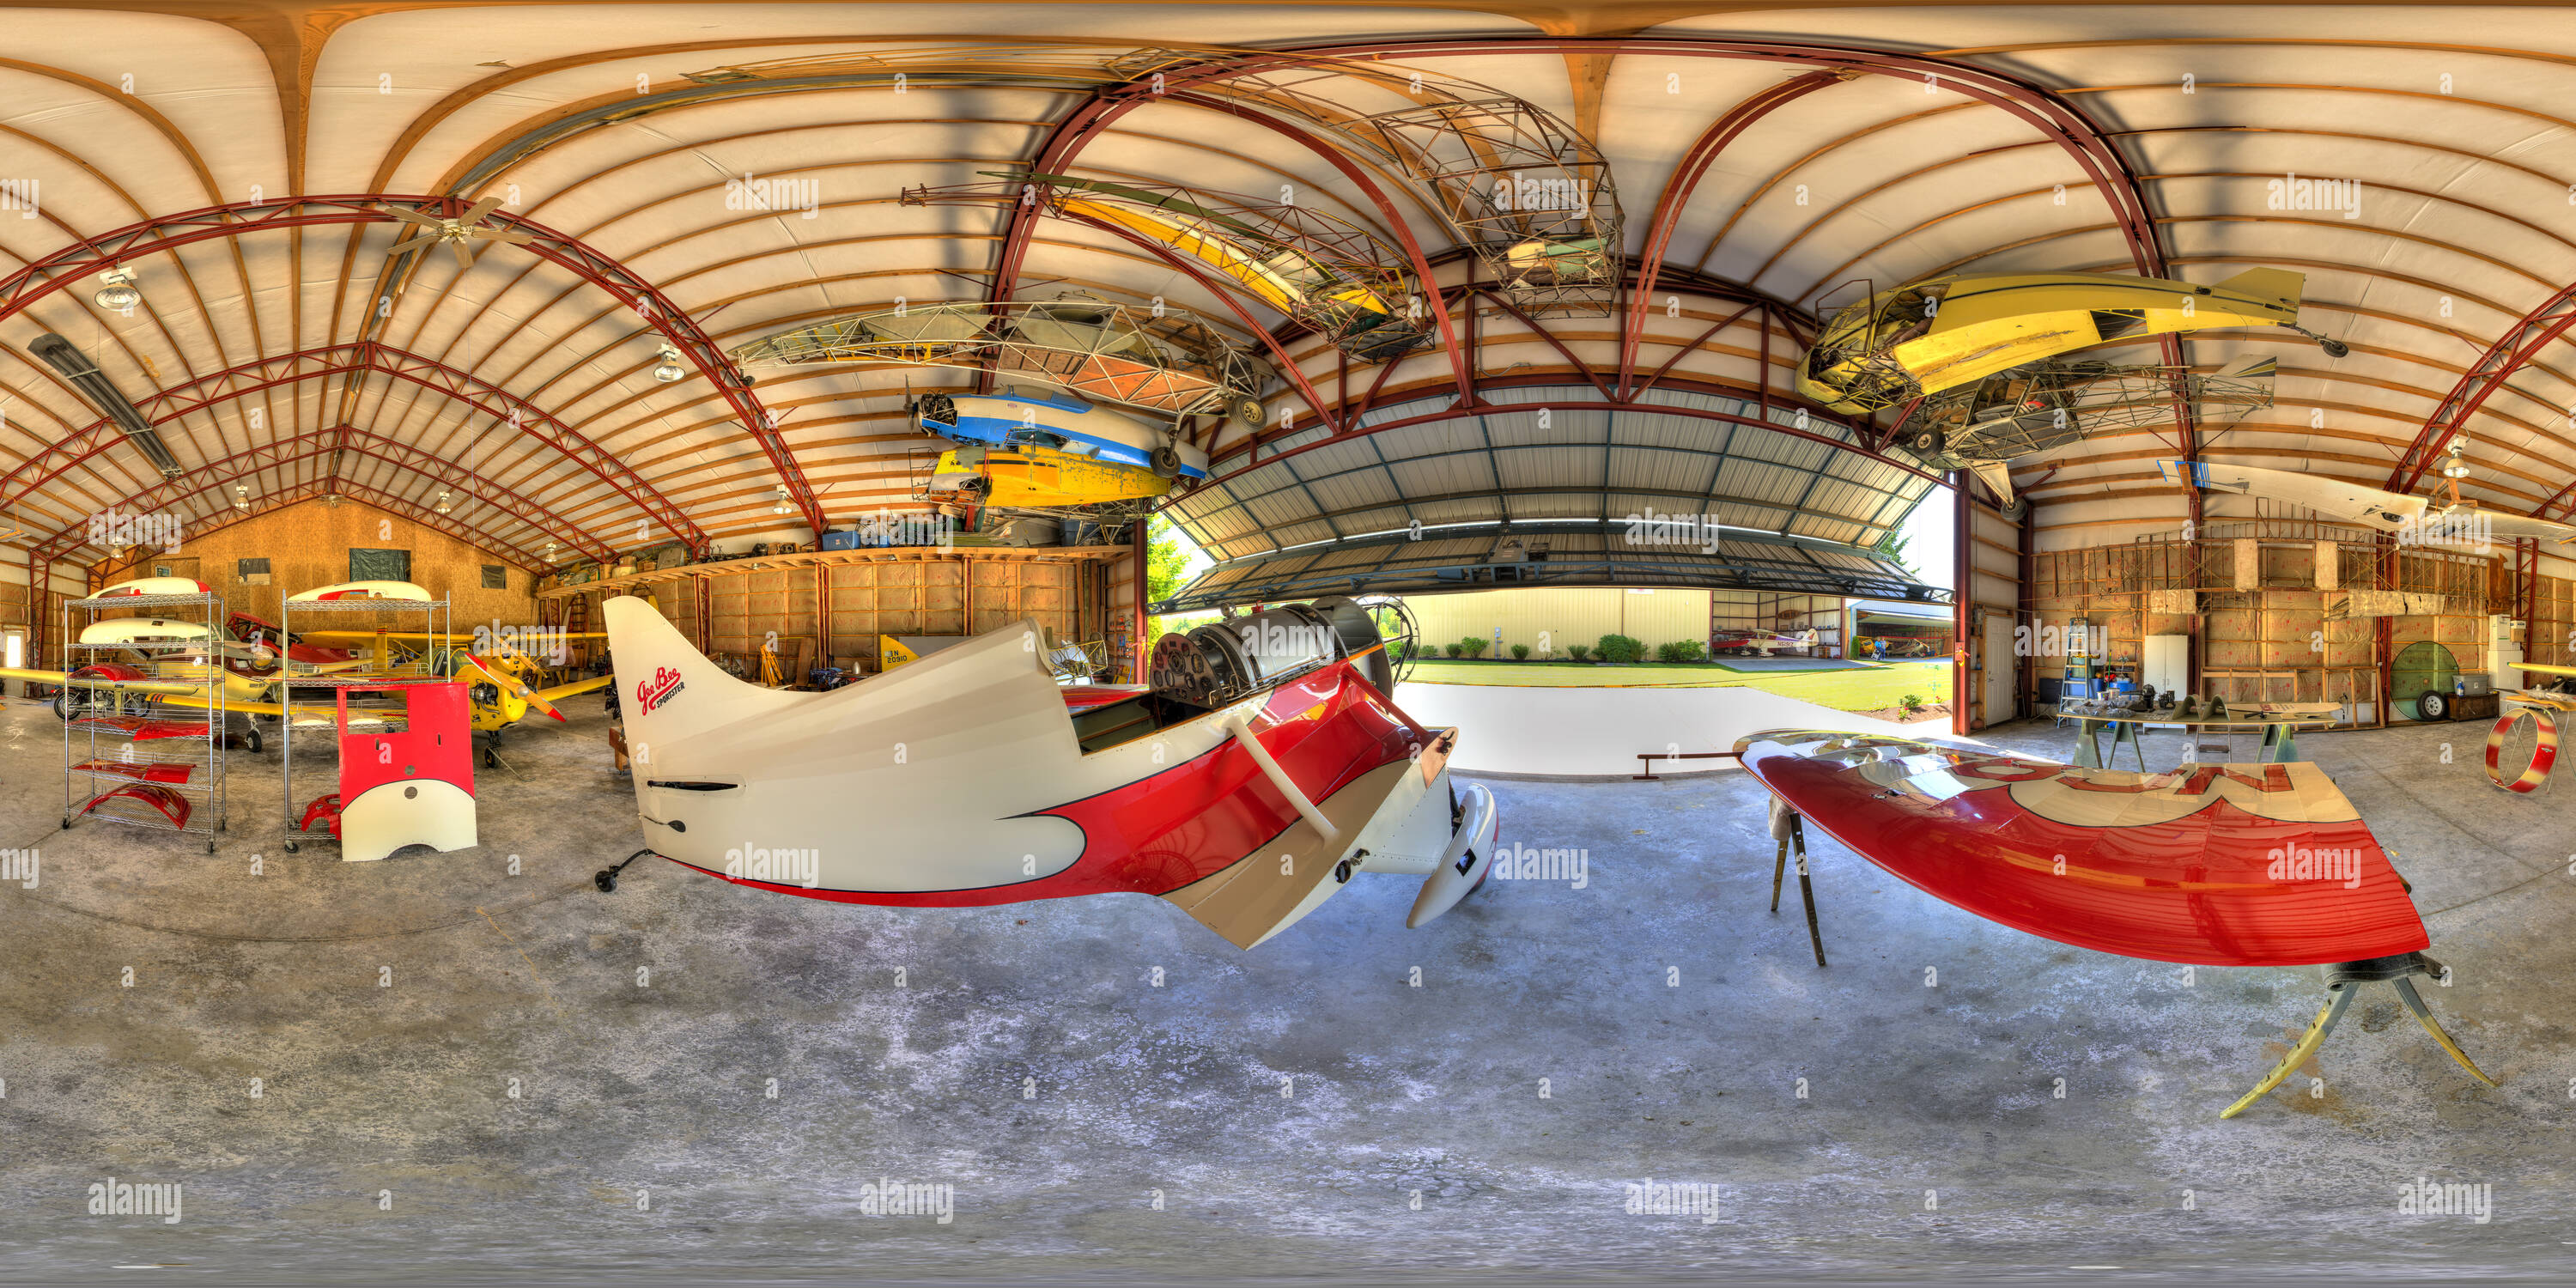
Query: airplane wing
(2346,502)
(161,687)
(2214,865)
(355,639)
(562,691)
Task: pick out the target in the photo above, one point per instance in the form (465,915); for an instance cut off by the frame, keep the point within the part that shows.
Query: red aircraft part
(172,805)
(138,772)
(2214,865)
(251,630)
(2544,753)
(325,807)
(1157,834)
(140,729)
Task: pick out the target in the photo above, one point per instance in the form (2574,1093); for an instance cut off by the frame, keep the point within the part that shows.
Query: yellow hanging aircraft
(1944,332)
(1027,474)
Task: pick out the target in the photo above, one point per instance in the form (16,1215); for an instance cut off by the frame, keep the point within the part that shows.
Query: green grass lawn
(1868,689)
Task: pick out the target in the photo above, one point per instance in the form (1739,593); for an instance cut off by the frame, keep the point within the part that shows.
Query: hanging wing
(2214,865)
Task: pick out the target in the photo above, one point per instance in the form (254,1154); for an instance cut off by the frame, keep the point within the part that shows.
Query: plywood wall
(308,544)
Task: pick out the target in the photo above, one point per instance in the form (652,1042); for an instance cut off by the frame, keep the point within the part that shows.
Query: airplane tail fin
(669,692)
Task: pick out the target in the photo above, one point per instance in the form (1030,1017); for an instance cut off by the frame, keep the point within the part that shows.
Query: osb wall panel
(894,598)
(308,544)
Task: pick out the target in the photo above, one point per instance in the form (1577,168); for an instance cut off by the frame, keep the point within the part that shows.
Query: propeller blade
(410,216)
(425,239)
(475,213)
(464,257)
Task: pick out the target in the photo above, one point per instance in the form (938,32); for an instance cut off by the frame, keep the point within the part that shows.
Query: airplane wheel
(1167,462)
(605,880)
(255,741)
(491,759)
(1247,411)
(2433,705)
(1923,442)
(2335,348)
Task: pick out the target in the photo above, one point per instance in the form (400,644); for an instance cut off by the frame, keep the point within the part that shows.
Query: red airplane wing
(2216,865)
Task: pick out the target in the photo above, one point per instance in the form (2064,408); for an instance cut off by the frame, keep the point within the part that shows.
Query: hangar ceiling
(1756,160)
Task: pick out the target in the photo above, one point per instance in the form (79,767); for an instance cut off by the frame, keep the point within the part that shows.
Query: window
(495,577)
(250,566)
(379,565)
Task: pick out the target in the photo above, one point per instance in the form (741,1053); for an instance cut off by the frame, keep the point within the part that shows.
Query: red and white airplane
(1262,772)
(2215,865)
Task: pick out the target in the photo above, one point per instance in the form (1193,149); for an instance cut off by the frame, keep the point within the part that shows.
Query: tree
(1893,547)
(1167,563)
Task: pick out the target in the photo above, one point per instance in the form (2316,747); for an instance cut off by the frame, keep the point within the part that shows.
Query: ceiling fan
(455,232)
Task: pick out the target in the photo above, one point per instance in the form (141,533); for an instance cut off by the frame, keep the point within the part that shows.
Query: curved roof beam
(52,273)
(360,357)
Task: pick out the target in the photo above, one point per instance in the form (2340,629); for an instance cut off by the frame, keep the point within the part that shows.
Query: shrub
(1681,651)
(1454,650)
(1579,652)
(1396,649)
(1520,652)
(1619,648)
(1911,704)
(1475,647)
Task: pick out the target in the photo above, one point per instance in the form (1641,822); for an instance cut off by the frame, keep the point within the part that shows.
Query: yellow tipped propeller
(510,683)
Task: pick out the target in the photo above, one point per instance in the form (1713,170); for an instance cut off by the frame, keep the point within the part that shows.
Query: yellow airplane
(1284,277)
(499,677)
(1944,332)
(1029,475)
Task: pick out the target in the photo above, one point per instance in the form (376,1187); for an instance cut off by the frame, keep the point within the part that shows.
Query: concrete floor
(1028,1058)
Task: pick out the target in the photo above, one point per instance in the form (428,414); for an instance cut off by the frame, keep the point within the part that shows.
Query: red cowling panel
(1327,730)
(437,741)
(2235,865)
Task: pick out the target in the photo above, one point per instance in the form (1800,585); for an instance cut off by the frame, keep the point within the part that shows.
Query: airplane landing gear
(606,878)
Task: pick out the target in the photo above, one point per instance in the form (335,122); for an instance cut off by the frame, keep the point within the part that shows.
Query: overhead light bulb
(442,506)
(241,496)
(782,507)
(119,293)
(670,368)
(550,552)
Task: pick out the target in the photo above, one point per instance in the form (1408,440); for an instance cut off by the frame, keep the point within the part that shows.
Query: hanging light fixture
(241,496)
(550,552)
(670,368)
(442,506)
(782,507)
(119,293)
